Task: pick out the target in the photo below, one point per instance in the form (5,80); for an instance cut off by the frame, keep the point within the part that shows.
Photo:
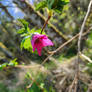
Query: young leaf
(50,3)
(26,43)
(25,23)
(41,5)
(60,5)
(21,31)
(13,62)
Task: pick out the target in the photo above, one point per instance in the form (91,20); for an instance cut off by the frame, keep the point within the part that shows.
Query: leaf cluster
(56,5)
(26,34)
(11,63)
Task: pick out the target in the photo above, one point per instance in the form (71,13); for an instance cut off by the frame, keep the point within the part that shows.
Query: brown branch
(6,10)
(46,22)
(26,66)
(83,25)
(59,48)
(34,81)
(79,49)
(26,6)
(79,44)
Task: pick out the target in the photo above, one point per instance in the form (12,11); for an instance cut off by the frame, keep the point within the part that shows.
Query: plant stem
(46,22)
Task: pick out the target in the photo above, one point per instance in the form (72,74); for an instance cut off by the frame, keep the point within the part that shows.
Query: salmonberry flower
(39,41)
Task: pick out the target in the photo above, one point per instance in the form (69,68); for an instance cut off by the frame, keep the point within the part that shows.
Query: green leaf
(21,31)
(3,65)
(66,1)
(60,5)
(56,5)
(26,43)
(25,34)
(13,62)
(25,23)
(50,3)
(33,31)
(41,5)
(42,85)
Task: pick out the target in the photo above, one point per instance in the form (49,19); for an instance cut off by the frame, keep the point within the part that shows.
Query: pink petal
(34,38)
(39,41)
(39,47)
(47,42)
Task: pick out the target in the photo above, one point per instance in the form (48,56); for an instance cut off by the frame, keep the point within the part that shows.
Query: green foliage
(41,5)
(3,88)
(3,66)
(60,5)
(50,3)
(56,5)
(26,34)
(25,27)
(26,43)
(89,65)
(39,84)
(89,40)
(11,63)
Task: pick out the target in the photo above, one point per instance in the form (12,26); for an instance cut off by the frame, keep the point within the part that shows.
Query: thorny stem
(46,22)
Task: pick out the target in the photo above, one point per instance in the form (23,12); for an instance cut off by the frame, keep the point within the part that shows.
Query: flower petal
(47,42)
(34,38)
(39,47)
(39,41)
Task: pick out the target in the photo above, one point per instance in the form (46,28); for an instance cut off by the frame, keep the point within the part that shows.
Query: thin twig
(79,42)
(46,22)
(34,81)
(73,84)
(30,85)
(26,66)
(85,57)
(83,25)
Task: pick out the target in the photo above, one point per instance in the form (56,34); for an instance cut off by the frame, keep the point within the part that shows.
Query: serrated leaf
(41,5)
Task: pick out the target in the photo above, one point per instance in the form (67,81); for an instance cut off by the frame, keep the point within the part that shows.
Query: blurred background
(57,74)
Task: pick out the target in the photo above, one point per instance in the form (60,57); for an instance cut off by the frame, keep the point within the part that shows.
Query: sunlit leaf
(41,5)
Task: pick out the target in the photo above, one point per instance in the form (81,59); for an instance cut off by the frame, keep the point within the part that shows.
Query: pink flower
(39,41)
